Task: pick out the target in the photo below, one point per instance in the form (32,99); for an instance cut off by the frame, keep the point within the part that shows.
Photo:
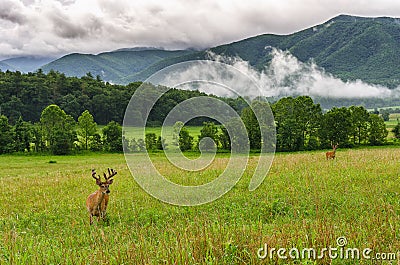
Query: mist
(287,76)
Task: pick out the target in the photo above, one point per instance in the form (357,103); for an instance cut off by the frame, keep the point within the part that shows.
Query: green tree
(58,129)
(37,135)
(385,115)
(96,143)
(308,119)
(133,145)
(14,108)
(377,130)
(87,127)
(62,144)
(185,140)
(112,137)
(236,138)
(6,136)
(396,130)
(22,132)
(151,141)
(141,145)
(175,134)
(253,128)
(359,120)
(224,138)
(161,145)
(288,131)
(209,130)
(336,126)
(298,122)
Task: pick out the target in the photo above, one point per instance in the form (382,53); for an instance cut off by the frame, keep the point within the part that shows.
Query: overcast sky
(58,27)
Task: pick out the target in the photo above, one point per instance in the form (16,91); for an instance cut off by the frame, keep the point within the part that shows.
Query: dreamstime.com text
(338,252)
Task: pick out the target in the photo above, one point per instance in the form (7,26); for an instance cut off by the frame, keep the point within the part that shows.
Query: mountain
(111,66)
(25,64)
(4,67)
(134,49)
(346,46)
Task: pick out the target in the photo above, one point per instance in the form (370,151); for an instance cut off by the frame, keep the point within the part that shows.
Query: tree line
(58,133)
(27,94)
(300,124)
(54,113)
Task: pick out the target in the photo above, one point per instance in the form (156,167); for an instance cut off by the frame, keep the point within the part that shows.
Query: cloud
(287,76)
(284,76)
(10,12)
(92,26)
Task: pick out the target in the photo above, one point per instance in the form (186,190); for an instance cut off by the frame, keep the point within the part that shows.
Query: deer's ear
(98,181)
(110,181)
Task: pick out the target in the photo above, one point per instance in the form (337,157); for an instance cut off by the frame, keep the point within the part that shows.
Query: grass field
(392,120)
(390,124)
(136,132)
(305,201)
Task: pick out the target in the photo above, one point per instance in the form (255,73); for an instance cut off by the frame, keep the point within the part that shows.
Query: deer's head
(104,185)
(334,146)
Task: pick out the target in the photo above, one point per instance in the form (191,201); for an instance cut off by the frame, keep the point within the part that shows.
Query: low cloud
(285,75)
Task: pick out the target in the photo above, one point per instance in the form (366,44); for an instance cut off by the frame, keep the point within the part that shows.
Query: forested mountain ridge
(25,63)
(348,47)
(112,66)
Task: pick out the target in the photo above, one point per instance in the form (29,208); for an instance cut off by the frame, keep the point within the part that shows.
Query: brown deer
(331,154)
(96,203)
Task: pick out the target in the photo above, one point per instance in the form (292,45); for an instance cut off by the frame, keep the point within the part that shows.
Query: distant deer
(332,154)
(96,203)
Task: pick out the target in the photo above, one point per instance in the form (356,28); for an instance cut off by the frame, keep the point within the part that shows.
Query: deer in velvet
(332,154)
(96,203)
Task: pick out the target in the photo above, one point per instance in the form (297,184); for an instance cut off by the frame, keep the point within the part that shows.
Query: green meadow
(137,132)
(304,202)
(392,122)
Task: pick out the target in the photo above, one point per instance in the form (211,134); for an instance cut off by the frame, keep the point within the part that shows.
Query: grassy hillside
(305,201)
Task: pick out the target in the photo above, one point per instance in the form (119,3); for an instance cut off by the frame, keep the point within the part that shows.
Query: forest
(54,113)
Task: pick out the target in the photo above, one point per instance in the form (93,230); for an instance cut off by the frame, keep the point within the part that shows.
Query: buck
(96,203)
(331,154)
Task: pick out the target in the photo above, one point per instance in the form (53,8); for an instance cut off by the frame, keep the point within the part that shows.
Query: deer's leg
(90,219)
(103,215)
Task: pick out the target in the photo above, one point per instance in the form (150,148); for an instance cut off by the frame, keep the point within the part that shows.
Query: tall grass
(305,201)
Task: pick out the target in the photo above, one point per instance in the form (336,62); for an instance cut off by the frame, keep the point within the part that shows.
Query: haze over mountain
(348,47)
(25,63)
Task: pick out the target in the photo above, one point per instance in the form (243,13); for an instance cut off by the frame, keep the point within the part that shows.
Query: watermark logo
(213,78)
(340,251)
